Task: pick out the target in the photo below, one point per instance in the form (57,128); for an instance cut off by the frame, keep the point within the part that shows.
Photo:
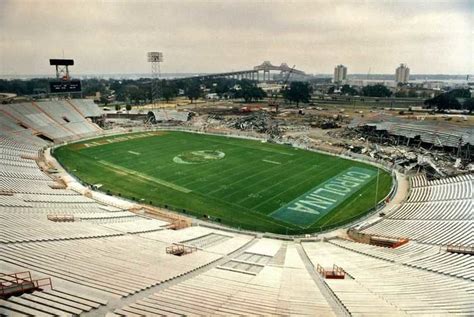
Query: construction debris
(435,161)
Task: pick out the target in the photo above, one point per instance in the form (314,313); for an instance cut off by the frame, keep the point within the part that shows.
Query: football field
(241,183)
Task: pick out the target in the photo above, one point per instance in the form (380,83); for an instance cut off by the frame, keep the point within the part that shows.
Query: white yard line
(272,162)
(145,177)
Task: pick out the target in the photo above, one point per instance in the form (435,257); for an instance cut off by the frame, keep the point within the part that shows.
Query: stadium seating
(282,286)
(109,253)
(436,212)
(53,120)
(381,287)
(169,115)
(423,256)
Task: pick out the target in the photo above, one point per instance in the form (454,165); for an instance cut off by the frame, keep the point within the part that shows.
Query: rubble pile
(325,123)
(435,162)
(261,122)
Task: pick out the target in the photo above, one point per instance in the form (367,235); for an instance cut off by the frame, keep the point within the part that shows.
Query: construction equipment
(273,102)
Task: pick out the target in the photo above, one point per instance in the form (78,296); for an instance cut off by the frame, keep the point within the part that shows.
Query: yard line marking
(277,184)
(288,165)
(132,152)
(145,177)
(272,162)
(250,176)
(258,148)
(334,166)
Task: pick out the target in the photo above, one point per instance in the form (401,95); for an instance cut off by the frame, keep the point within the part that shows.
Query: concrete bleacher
(168,115)
(436,212)
(103,263)
(285,289)
(56,120)
(66,115)
(378,287)
(419,255)
(31,117)
(87,108)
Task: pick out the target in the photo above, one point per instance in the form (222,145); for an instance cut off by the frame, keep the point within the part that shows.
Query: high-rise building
(402,74)
(340,73)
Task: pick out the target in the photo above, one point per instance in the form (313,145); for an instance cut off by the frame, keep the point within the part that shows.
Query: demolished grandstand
(422,133)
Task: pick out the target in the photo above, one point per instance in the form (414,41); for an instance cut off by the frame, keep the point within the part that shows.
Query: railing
(180,249)
(337,272)
(463,249)
(21,282)
(61,218)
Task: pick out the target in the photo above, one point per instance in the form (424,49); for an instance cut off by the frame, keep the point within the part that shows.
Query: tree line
(138,91)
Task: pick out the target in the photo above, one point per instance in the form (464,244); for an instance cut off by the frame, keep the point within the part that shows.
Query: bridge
(260,72)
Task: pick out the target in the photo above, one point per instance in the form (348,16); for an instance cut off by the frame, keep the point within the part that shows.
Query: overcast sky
(107,37)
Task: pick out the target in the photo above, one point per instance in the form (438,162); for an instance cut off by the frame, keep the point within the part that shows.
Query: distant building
(340,74)
(402,74)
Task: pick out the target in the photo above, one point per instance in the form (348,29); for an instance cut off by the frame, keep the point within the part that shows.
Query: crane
(273,102)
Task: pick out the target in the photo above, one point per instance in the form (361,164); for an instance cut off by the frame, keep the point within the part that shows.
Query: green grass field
(242,183)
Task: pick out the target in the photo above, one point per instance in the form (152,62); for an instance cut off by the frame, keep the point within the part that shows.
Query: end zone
(319,201)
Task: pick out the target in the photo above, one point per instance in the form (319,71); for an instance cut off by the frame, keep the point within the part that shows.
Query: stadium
(217,188)
(124,222)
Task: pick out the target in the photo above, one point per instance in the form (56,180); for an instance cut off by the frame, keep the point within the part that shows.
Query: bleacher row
(109,253)
(278,289)
(451,191)
(60,120)
(169,115)
(422,256)
(450,137)
(437,212)
(378,287)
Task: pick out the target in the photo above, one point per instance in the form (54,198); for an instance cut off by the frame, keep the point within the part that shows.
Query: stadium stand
(436,212)
(282,286)
(380,287)
(168,115)
(50,120)
(109,259)
(86,107)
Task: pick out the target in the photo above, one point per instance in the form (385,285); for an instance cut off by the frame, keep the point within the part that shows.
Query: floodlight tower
(155,58)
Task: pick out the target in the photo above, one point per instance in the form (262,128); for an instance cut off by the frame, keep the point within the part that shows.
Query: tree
(118,107)
(104,100)
(460,93)
(401,94)
(168,90)
(376,91)
(128,107)
(412,93)
(469,105)
(193,90)
(223,86)
(348,90)
(249,91)
(297,92)
(447,100)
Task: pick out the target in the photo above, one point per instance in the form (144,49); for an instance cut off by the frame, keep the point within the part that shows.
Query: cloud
(209,36)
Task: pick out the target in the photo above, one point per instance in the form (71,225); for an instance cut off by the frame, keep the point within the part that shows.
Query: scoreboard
(64,86)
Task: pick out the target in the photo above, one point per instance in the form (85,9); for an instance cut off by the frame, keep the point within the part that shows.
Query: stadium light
(155,57)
